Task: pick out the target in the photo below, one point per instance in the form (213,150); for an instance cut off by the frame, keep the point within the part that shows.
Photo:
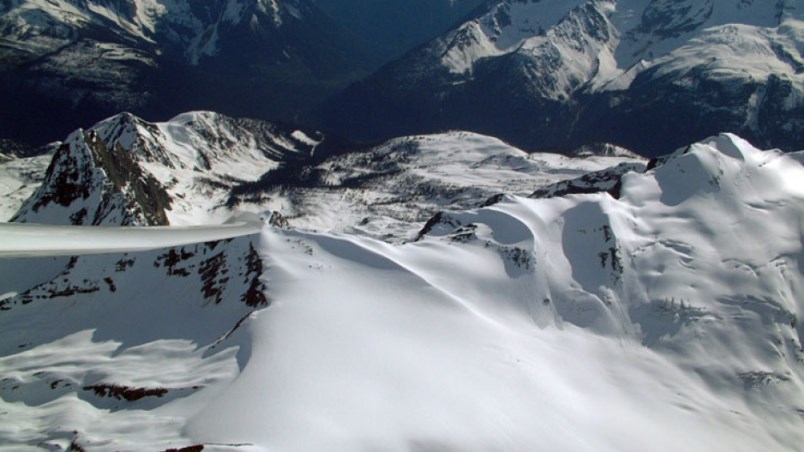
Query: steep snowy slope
(133,335)
(664,319)
(651,76)
(126,171)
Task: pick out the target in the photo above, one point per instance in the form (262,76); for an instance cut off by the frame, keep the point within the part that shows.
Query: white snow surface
(39,27)
(387,192)
(662,320)
(43,19)
(19,178)
(196,157)
(605,44)
(390,191)
(501,31)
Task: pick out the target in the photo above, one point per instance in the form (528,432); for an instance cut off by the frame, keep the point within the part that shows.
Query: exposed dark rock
(213,274)
(255,294)
(110,282)
(75,447)
(278,220)
(125,392)
(431,223)
(145,195)
(195,448)
(606,180)
(172,259)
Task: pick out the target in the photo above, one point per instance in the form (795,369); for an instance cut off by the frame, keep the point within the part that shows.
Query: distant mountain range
(543,75)
(65,63)
(555,74)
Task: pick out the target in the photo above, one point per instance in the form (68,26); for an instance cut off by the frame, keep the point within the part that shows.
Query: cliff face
(87,183)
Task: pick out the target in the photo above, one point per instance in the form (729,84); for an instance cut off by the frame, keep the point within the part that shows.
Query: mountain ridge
(556,74)
(125,170)
(660,306)
(87,60)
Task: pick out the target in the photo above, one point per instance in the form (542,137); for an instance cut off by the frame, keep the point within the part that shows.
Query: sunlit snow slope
(664,319)
(204,167)
(391,190)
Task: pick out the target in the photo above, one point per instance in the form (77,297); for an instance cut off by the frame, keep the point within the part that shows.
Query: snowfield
(663,316)
(390,191)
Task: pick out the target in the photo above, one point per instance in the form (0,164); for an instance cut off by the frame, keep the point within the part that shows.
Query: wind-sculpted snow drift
(663,319)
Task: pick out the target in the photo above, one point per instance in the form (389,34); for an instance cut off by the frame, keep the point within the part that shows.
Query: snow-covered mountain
(665,317)
(203,167)
(648,75)
(87,59)
(126,171)
(390,191)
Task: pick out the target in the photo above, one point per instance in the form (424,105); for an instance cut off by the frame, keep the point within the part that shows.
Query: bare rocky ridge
(126,171)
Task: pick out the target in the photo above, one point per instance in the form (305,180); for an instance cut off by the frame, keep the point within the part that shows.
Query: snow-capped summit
(33,28)
(650,76)
(126,171)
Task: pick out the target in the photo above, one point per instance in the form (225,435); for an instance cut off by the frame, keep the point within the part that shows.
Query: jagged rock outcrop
(126,171)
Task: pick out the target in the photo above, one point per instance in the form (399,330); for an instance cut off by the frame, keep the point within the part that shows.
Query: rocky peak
(127,171)
(91,183)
